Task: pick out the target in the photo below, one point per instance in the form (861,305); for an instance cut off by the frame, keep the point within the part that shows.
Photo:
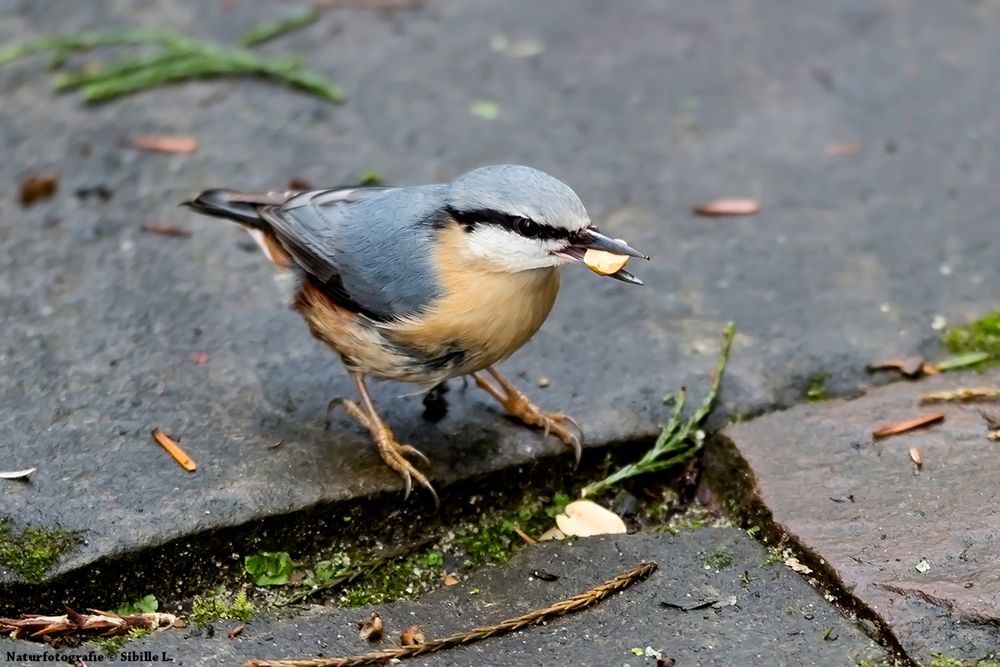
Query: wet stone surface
(919,547)
(849,261)
(769,616)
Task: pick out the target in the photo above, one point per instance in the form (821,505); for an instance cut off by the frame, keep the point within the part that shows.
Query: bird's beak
(591,239)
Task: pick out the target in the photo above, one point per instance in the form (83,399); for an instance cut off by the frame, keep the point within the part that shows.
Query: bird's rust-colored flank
(484,311)
(354,338)
(272,248)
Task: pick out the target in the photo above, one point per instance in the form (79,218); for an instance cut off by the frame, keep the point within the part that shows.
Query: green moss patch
(403,579)
(816,390)
(32,551)
(115,644)
(207,609)
(983,335)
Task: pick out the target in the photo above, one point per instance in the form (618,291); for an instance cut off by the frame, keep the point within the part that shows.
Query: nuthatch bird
(426,283)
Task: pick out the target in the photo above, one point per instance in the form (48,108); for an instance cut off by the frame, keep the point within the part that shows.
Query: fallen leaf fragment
(485,109)
(39,186)
(962,395)
(412,636)
(908,425)
(165,143)
(164,229)
(604,263)
(449,580)
(236,631)
(174,449)
(584,518)
(18,474)
(992,424)
(794,563)
(916,457)
(689,605)
(910,367)
(842,149)
(727,207)
(372,628)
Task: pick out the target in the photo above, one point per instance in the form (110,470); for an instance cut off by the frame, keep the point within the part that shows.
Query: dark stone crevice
(728,475)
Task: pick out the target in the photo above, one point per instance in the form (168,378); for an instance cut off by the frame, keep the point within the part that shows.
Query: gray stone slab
(774,618)
(644,112)
(917,549)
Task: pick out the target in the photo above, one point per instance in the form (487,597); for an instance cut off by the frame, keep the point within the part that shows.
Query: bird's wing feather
(306,224)
(366,246)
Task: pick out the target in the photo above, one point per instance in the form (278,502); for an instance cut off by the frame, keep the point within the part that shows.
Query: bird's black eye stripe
(522,226)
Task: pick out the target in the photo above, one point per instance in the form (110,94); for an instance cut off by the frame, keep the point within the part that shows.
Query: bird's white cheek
(509,251)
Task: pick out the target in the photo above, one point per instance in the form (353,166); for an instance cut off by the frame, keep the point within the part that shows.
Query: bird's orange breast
(486,312)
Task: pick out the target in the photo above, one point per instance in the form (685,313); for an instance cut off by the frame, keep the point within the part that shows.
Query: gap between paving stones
(724,470)
(194,563)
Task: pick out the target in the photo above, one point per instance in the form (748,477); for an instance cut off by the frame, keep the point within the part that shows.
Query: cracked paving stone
(920,548)
(644,112)
(769,616)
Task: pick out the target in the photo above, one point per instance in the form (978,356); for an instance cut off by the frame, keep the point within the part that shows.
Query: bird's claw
(520,407)
(394,454)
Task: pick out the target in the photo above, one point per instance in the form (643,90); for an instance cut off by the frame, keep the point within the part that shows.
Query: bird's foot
(520,407)
(393,453)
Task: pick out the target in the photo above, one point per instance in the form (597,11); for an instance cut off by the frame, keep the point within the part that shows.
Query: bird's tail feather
(235,206)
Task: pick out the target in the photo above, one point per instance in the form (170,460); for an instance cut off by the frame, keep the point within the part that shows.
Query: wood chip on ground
(165,143)
(38,187)
(727,207)
(911,367)
(164,229)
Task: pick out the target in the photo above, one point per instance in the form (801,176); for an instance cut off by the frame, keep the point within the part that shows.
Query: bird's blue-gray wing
(369,247)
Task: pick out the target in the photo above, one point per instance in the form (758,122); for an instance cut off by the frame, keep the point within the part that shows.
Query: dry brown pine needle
(174,449)
(962,395)
(908,425)
(569,605)
(108,623)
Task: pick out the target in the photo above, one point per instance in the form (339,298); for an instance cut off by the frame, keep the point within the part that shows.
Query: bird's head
(518,218)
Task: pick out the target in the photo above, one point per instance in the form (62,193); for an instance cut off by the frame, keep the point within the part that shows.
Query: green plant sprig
(178,58)
(680,438)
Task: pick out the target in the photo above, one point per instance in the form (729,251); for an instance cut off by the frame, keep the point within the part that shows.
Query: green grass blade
(268,30)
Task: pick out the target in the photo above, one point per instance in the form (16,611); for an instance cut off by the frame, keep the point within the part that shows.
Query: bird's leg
(393,453)
(519,406)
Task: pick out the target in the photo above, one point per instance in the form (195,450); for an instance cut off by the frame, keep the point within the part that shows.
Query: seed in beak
(604,263)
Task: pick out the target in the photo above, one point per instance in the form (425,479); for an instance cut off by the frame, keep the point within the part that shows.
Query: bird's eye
(528,228)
